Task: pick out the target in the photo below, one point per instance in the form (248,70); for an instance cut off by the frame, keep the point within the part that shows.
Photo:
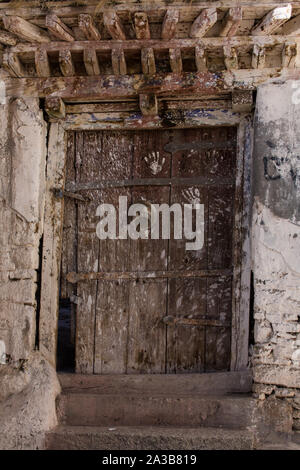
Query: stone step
(219,383)
(90,409)
(148,438)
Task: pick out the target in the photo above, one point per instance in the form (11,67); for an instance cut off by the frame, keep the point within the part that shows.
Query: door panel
(179,320)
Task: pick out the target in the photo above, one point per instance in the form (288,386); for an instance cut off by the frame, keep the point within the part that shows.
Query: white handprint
(155,162)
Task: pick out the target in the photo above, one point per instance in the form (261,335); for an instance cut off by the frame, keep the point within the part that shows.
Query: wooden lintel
(175,60)
(13,65)
(148,104)
(66,63)
(55,107)
(42,65)
(110,87)
(273,20)
(169,24)
(203,23)
(231,58)
(201,59)
(8,39)
(88,27)
(289,55)
(118,62)
(91,62)
(258,57)
(113,25)
(231,22)
(141,23)
(25,30)
(148,61)
(58,28)
(242,101)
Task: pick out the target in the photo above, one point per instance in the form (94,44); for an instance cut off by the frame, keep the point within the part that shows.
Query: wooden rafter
(148,61)
(141,23)
(88,27)
(113,25)
(13,65)
(175,60)
(42,64)
(169,25)
(91,62)
(203,23)
(118,62)
(231,22)
(58,28)
(273,20)
(25,30)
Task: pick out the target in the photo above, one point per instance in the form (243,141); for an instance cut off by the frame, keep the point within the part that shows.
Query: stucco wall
(276,243)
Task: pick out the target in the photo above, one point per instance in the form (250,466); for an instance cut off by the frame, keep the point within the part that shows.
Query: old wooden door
(179,320)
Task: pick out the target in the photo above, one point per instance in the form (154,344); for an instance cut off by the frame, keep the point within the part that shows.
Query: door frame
(54,210)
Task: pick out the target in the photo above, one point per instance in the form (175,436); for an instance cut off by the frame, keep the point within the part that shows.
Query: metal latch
(60,194)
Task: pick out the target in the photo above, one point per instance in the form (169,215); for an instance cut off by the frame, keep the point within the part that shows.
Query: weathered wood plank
(169,25)
(175,60)
(273,20)
(231,22)
(148,61)
(42,64)
(24,29)
(91,62)
(58,28)
(203,23)
(258,57)
(142,30)
(113,25)
(88,27)
(66,63)
(118,62)
(231,58)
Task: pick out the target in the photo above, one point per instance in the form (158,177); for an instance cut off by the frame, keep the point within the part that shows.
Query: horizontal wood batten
(74,278)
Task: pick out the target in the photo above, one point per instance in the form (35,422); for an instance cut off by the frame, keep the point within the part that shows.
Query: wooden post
(91,62)
(42,63)
(258,57)
(118,62)
(169,24)
(231,58)
(175,60)
(201,60)
(66,63)
(148,61)
(289,55)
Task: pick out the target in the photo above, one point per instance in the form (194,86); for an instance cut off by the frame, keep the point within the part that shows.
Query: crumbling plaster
(276,244)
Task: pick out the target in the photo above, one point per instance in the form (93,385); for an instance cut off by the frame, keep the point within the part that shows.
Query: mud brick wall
(276,244)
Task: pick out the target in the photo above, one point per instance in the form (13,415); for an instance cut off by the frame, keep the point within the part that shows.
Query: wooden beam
(55,107)
(148,61)
(13,65)
(289,55)
(91,62)
(203,23)
(169,24)
(66,63)
(148,104)
(292,27)
(258,57)
(142,30)
(25,30)
(158,44)
(87,26)
(8,39)
(175,60)
(242,101)
(42,65)
(110,87)
(273,21)
(231,58)
(201,59)
(58,28)
(118,62)
(231,22)
(113,25)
